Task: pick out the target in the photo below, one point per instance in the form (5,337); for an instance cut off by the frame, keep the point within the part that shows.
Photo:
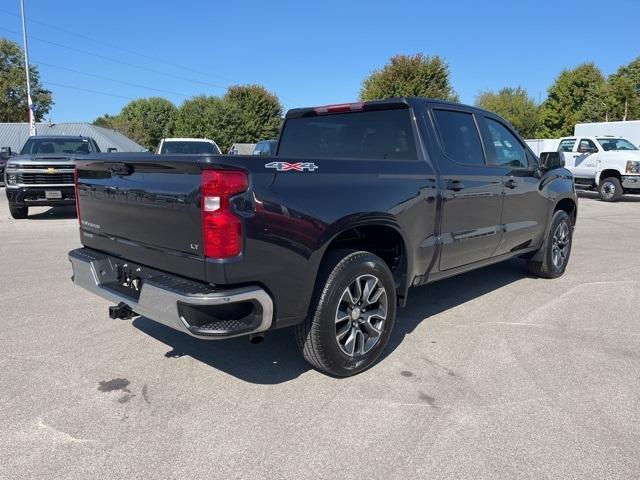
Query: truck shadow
(54,213)
(276,359)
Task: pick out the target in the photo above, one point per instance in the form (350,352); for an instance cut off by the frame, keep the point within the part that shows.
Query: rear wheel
(552,258)
(352,314)
(18,213)
(610,189)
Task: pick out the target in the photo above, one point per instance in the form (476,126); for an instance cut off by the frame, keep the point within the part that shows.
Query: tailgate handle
(119,168)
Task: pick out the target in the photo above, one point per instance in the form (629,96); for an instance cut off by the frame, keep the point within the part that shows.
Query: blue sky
(308,53)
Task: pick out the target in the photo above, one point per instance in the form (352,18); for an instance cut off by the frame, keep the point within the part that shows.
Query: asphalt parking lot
(493,374)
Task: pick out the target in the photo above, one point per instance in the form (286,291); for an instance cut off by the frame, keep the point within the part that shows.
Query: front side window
(460,137)
(609,144)
(377,134)
(567,144)
(509,152)
(587,146)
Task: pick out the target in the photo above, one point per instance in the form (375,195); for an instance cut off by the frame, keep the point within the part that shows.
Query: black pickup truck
(361,202)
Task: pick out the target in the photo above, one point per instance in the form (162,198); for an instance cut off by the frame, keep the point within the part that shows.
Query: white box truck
(629,130)
(541,145)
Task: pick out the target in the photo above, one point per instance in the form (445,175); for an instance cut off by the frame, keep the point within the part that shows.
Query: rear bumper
(36,196)
(194,308)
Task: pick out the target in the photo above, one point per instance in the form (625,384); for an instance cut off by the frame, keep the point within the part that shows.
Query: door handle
(511,183)
(455,185)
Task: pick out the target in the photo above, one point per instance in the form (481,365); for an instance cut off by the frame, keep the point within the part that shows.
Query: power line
(111,79)
(87,90)
(85,52)
(116,47)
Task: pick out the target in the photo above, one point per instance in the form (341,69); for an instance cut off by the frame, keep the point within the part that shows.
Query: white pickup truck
(610,165)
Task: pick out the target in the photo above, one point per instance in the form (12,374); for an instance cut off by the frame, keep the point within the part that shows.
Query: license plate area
(53,194)
(129,279)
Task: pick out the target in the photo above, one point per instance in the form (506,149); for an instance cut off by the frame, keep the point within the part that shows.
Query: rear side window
(509,152)
(379,134)
(567,144)
(460,137)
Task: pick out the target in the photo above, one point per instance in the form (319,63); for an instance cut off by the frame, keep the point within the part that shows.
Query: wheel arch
(382,238)
(568,205)
(609,172)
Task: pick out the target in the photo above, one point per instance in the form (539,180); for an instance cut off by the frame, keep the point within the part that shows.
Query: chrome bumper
(631,181)
(163,297)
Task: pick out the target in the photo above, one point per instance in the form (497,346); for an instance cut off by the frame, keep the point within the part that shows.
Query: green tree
(625,91)
(106,121)
(145,120)
(515,105)
(204,117)
(246,114)
(255,114)
(577,95)
(411,76)
(13,86)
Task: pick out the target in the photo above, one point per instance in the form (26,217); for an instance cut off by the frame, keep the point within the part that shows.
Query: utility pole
(32,119)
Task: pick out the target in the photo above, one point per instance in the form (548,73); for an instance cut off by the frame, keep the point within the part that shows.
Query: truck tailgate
(144,208)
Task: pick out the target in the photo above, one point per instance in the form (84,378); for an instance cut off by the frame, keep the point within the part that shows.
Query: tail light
(75,185)
(221,229)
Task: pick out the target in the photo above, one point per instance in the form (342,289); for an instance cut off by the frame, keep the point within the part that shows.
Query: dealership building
(15,134)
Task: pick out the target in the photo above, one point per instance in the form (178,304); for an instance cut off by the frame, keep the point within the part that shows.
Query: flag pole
(32,119)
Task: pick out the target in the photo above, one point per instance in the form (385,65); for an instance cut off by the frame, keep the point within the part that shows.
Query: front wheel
(18,213)
(552,258)
(610,189)
(352,314)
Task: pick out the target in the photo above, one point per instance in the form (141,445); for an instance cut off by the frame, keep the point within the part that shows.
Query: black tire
(19,213)
(544,263)
(610,189)
(317,336)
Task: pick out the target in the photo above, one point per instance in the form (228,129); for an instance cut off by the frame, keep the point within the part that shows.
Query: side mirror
(551,160)
(112,149)
(5,151)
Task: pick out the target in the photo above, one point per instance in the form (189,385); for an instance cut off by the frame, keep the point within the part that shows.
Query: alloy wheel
(361,315)
(560,245)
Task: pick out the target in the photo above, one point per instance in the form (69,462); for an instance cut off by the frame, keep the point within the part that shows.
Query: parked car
(5,154)
(187,145)
(362,202)
(266,147)
(242,149)
(610,165)
(43,173)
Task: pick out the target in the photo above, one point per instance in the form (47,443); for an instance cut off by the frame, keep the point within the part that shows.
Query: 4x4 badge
(297,167)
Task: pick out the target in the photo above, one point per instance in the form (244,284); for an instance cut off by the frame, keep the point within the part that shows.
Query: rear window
(379,134)
(188,147)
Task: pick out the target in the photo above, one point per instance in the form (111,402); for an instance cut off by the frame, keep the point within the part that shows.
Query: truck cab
(608,164)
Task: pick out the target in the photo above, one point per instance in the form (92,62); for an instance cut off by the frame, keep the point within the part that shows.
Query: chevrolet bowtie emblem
(52,170)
